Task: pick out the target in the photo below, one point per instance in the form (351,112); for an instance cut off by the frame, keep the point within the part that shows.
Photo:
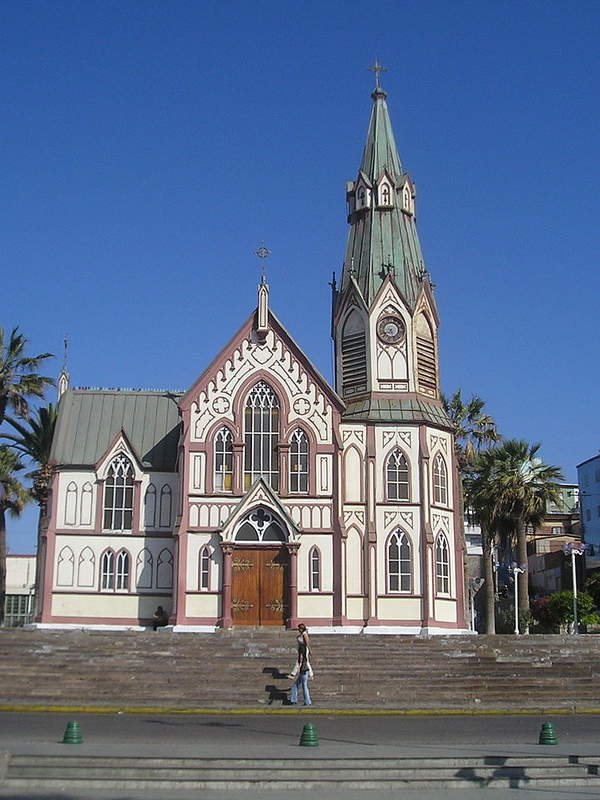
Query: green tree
(517,485)
(474,429)
(13,497)
(35,441)
(19,378)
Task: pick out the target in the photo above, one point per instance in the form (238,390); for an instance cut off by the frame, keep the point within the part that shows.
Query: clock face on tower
(390,329)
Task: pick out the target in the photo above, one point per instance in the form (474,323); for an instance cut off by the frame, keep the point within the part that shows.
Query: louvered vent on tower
(426,361)
(354,355)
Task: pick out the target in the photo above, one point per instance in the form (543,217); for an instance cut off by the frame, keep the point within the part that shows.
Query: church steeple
(384,316)
(383,237)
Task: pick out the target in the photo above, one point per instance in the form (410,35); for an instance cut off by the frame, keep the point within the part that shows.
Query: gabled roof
(244,330)
(90,419)
(383,236)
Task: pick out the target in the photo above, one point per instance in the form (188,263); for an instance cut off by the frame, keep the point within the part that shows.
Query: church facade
(262,496)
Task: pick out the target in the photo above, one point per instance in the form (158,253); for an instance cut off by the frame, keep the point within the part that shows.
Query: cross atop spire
(377,69)
(263,253)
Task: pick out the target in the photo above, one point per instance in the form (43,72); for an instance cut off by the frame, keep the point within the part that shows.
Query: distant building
(549,568)
(20,590)
(588,475)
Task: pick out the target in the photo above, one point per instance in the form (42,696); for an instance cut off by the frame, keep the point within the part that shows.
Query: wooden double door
(259,586)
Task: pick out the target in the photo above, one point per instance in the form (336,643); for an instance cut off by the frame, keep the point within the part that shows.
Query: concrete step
(74,772)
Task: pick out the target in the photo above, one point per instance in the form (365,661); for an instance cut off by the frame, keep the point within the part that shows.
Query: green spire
(383,237)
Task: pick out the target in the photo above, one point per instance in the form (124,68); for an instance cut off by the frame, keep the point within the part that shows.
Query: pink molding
(179,612)
(49,556)
(137,497)
(226,618)
(99,505)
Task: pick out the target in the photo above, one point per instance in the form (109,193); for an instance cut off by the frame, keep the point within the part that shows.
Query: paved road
(269,736)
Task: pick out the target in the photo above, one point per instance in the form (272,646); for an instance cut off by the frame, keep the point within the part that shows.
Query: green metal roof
(383,239)
(402,409)
(90,419)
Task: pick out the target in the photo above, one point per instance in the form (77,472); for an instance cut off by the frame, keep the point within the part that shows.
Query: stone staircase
(247,668)
(95,773)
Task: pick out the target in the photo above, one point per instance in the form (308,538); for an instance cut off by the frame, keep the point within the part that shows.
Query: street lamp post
(516,569)
(574,549)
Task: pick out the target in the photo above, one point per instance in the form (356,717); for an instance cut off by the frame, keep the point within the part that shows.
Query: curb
(253,711)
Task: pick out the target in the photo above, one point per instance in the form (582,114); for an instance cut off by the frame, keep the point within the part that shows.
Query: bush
(561,609)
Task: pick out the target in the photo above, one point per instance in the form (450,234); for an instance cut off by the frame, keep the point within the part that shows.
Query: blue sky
(147,148)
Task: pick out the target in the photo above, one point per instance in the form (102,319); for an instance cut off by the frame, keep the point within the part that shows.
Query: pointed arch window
(118,495)
(261,427)
(204,569)
(164,569)
(66,565)
(354,354)
(426,357)
(399,563)
(86,568)
(107,571)
(122,572)
(396,476)
(440,481)
(314,570)
(144,565)
(71,504)
(442,565)
(385,197)
(223,478)
(299,462)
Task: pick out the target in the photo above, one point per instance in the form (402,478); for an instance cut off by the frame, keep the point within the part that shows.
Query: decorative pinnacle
(66,344)
(263,253)
(377,69)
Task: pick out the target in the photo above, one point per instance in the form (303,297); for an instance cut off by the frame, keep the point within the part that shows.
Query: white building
(263,496)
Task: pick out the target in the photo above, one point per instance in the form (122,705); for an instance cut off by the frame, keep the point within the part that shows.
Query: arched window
(122,582)
(299,462)
(314,570)
(143,569)
(65,567)
(164,569)
(71,504)
(396,476)
(260,526)
(107,571)
(354,354)
(204,569)
(399,563)
(86,568)
(440,481)
(150,506)
(165,506)
(118,495)
(261,422)
(442,565)
(385,195)
(223,461)
(361,197)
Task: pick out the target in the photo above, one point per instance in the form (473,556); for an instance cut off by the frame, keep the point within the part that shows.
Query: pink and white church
(263,496)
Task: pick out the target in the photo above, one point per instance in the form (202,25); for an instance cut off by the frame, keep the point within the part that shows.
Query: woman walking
(302,670)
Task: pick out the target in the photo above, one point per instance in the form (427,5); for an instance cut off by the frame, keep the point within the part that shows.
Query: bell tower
(384,320)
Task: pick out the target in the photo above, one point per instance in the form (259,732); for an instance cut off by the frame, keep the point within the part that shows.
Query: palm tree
(13,497)
(474,429)
(523,485)
(35,441)
(19,379)
(509,487)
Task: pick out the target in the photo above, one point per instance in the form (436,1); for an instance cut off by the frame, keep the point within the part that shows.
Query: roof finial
(377,69)
(263,253)
(63,378)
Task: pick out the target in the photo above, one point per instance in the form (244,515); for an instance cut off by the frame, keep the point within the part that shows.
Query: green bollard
(73,733)
(548,734)
(310,737)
